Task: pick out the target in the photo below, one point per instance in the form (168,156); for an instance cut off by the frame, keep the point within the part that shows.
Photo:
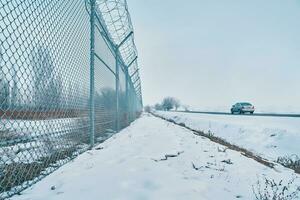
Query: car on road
(242,107)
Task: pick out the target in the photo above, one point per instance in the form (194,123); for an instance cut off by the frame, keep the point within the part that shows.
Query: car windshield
(246,104)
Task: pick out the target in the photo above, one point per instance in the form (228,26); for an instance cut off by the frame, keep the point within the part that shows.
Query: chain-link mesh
(45,82)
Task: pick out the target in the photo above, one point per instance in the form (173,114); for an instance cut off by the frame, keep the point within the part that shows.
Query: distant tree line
(168,103)
(41,86)
(37,85)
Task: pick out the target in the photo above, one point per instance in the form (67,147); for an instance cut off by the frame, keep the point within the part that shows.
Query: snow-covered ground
(155,159)
(270,137)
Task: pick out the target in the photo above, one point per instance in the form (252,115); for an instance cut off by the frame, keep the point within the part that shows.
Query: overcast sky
(212,53)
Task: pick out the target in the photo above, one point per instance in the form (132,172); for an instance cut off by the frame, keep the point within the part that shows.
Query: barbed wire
(116,16)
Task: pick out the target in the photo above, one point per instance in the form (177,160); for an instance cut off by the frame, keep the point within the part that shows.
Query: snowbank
(270,137)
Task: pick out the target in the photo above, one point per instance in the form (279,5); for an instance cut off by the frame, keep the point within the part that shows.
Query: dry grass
(267,189)
(292,162)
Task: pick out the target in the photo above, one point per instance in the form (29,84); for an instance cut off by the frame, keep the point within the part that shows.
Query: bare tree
(186,108)
(169,103)
(158,106)
(106,99)
(176,104)
(4,87)
(147,109)
(47,83)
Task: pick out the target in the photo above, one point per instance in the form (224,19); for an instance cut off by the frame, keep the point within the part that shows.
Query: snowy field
(270,137)
(155,159)
(27,141)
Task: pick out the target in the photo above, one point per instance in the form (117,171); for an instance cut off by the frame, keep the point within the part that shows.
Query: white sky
(213,53)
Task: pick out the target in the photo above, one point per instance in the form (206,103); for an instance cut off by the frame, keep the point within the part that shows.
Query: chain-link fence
(68,79)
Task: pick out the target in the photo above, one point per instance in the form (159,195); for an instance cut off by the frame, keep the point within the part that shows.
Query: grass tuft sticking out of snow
(269,189)
(292,162)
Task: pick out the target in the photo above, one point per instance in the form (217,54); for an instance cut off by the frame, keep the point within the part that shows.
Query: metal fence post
(127,94)
(117,93)
(92,74)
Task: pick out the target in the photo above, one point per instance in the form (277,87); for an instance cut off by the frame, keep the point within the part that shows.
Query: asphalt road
(250,115)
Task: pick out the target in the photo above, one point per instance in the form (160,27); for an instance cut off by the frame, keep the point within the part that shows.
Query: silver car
(242,107)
